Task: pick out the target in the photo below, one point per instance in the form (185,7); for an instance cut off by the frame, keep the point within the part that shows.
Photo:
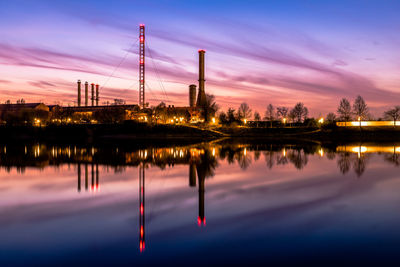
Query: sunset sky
(259,52)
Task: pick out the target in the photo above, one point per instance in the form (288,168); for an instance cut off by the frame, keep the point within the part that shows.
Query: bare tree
(257,117)
(344,110)
(244,111)
(360,109)
(270,114)
(299,112)
(282,112)
(331,117)
(393,114)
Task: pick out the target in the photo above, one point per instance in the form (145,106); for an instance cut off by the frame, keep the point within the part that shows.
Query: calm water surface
(200,204)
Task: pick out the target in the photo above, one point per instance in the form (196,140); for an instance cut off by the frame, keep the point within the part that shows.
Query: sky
(259,52)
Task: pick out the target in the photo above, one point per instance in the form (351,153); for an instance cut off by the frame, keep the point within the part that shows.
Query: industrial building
(87,107)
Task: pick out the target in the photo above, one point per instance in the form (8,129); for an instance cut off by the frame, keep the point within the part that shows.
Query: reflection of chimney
(79,177)
(192,175)
(92,177)
(201,219)
(201,98)
(97,177)
(92,94)
(86,177)
(86,93)
(79,93)
(192,95)
(97,94)
(201,175)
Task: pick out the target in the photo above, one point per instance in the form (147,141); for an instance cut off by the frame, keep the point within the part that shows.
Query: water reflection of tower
(94,179)
(141,208)
(201,220)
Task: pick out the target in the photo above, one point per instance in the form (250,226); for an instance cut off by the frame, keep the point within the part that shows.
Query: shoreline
(180,134)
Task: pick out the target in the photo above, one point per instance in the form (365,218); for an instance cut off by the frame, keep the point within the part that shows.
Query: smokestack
(86,93)
(192,95)
(92,94)
(79,93)
(97,94)
(201,98)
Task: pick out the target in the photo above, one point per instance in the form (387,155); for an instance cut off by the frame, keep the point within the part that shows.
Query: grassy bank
(107,133)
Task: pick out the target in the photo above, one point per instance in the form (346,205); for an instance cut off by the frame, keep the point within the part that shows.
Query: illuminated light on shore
(367,123)
(321,152)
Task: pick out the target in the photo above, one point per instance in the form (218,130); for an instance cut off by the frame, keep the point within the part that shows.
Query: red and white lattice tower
(142,102)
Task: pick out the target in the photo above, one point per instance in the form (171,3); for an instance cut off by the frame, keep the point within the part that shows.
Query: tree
(270,114)
(331,117)
(299,112)
(257,117)
(344,110)
(210,107)
(282,112)
(360,109)
(223,118)
(160,112)
(244,111)
(231,115)
(393,114)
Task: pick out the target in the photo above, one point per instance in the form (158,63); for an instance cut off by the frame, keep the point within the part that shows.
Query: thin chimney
(86,94)
(79,93)
(97,94)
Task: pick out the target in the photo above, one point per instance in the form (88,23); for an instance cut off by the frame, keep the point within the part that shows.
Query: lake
(226,202)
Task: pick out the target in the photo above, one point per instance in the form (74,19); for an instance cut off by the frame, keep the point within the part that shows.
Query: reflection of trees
(257,155)
(393,158)
(343,162)
(206,165)
(298,157)
(269,158)
(331,155)
(360,164)
(244,160)
(346,160)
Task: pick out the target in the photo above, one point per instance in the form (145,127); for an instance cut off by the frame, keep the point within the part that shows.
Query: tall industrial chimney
(92,87)
(97,94)
(201,98)
(79,93)
(192,95)
(86,93)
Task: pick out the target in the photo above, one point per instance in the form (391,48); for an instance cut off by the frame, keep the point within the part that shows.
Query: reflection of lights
(284,152)
(213,151)
(245,151)
(359,149)
(200,221)
(321,152)
(141,245)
